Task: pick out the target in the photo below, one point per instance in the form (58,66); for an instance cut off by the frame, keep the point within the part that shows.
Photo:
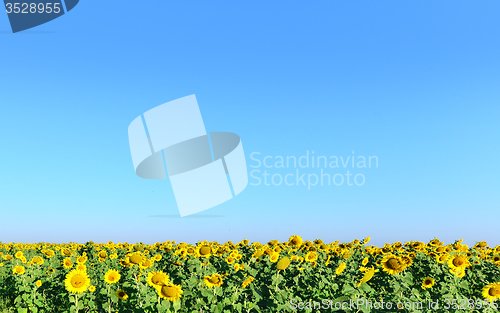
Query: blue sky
(413,83)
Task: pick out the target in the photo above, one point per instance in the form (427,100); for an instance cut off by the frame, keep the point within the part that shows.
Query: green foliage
(307,282)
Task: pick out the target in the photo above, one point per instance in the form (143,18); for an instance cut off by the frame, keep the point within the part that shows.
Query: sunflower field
(291,276)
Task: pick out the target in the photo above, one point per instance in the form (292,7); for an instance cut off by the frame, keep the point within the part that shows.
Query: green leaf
(177,305)
(80,305)
(464,284)
(416,292)
(365,287)
(206,292)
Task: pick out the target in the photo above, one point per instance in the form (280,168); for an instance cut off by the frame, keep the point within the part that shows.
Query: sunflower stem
(138,289)
(76,302)
(277,273)
(109,299)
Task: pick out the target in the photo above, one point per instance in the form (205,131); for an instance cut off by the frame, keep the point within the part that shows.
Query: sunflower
(323,247)
(440,249)
(459,271)
(37,260)
(157,279)
(311,256)
(38,283)
(146,264)
(365,261)
(77,281)
(407,261)
(328,260)
(112,276)
(125,262)
(368,274)
(366,240)
(170,292)
(392,264)
(19,254)
(81,267)
(274,257)
(214,280)
(49,253)
(229,260)
(102,254)
(67,263)
(135,258)
(434,242)
(66,252)
(121,294)
(442,258)
(341,268)
(295,241)
(247,281)
(92,288)
(81,259)
(428,282)
(19,270)
(458,261)
(491,291)
(283,263)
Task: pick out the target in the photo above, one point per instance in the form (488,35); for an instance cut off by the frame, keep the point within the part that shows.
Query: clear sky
(414,83)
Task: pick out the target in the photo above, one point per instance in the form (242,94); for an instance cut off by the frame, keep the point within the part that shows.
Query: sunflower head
(19,270)
(392,264)
(112,276)
(170,292)
(77,281)
(136,258)
(442,258)
(458,261)
(157,279)
(311,256)
(67,263)
(491,291)
(283,263)
(247,281)
(121,294)
(341,268)
(215,280)
(295,241)
(428,282)
(205,250)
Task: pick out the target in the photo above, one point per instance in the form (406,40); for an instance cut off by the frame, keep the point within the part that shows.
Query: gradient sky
(415,83)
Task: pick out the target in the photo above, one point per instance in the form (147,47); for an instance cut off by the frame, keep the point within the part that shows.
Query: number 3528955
(33,8)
